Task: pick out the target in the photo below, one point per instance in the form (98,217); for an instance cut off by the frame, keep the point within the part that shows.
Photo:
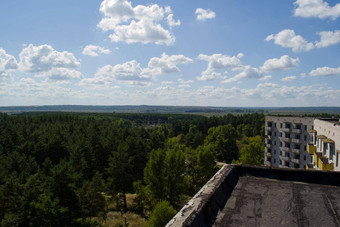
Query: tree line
(59,169)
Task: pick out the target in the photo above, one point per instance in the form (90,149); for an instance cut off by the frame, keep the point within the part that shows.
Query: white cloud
(288,39)
(266,78)
(92,50)
(60,74)
(167,64)
(217,61)
(137,24)
(316,8)
(44,58)
(246,72)
(172,22)
(8,64)
(204,14)
(288,78)
(328,38)
(283,63)
(325,71)
(133,74)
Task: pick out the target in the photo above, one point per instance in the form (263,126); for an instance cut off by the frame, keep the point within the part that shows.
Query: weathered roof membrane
(240,195)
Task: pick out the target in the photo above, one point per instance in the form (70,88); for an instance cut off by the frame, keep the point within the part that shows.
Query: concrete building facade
(286,140)
(325,144)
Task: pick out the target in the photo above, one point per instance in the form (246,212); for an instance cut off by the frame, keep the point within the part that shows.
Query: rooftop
(241,195)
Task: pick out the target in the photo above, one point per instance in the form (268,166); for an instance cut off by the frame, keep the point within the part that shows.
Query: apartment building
(325,144)
(286,140)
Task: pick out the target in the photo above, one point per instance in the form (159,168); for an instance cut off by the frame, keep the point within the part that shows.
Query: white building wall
(286,141)
(331,129)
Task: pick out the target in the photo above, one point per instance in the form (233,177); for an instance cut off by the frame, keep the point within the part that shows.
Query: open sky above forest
(191,52)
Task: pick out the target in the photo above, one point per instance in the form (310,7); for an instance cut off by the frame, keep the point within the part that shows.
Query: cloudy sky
(170,52)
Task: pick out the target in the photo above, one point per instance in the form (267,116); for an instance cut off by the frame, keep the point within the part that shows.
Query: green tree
(119,172)
(161,214)
(252,153)
(155,174)
(91,200)
(223,141)
(47,211)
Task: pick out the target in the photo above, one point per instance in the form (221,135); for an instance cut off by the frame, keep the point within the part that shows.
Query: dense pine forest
(81,169)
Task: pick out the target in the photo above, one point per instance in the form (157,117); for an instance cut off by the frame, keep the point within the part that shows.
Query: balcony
(287,159)
(268,128)
(286,130)
(323,164)
(268,154)
(311,149)
(267,163)
(309,166)
(285,139)
(297,131)
(267,141)
(283,166)
(296,141)
(296,151)
(269,145)
(287,149)
(296,161)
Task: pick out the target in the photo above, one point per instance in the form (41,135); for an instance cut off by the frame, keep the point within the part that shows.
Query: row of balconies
(321,162)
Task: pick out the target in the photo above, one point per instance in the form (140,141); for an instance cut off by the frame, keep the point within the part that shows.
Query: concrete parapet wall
(203,208)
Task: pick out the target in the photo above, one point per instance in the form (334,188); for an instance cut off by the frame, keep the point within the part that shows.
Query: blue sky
(192,52)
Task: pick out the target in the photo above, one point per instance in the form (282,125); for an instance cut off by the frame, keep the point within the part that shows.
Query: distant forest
(77,169)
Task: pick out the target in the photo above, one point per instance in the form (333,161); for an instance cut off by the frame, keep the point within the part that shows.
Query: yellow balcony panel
(309,166)
(312,131)
(316,158)
(324,164)
(311,149)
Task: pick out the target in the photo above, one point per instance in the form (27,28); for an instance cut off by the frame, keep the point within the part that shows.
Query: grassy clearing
(115,218)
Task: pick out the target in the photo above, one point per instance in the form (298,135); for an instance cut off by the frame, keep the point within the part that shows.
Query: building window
(280,152)
(305,137)
(337,159)
(280,144)
(280,125)
(274,151)
(274,133)
(274,161)
(304,157)
(274,125)
(280,162)
(280,134)
(306,127)
(305,148)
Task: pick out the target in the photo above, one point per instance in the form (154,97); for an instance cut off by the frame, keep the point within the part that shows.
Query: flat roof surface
(243,195)
(258,201)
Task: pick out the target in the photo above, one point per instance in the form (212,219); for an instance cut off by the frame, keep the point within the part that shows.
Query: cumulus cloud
(266,78)
(204,14)
(44,58)
(44,61)
(325,71)
(246,72)
(167,64)
(316,8)
(277,64)
(288,39)
(133,74)
(60,74)
(328,38)
(8,64)
(288,78)
(217,61)
(141,23)
(93,51)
